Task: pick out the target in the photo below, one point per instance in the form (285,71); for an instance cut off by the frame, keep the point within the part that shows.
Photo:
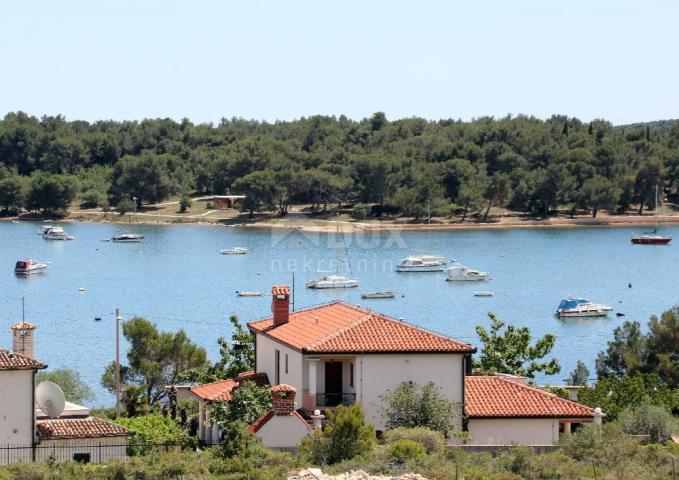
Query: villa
(338,354)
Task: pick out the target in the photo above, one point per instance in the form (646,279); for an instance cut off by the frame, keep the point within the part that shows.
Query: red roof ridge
(261,421)
(314,307)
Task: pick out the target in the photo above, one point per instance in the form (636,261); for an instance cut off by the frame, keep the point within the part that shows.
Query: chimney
(22,338)
(283,399)
(280,304)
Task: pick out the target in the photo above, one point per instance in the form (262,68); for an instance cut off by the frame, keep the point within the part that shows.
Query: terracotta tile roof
(15,361)
(342,328)
(90,427)
(261,421)
(491,396)
(222,390)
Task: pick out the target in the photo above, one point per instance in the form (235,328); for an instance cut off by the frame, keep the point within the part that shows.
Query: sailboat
(128,237)
(336,280)
(423,263)
(652,237)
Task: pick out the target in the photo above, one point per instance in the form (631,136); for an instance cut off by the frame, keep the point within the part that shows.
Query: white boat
(128,237)
(426,262)
(28,267)
(386,294)
(336,280)
(422,263)
(460,273)
(234,251)
(55,233)
(249,293)
(483,294)
(333,281)
(579,307)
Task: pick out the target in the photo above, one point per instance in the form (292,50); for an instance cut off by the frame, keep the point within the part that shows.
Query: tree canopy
(520,163)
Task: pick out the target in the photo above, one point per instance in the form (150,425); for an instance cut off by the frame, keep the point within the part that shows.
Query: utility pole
(293,290)
(117,371)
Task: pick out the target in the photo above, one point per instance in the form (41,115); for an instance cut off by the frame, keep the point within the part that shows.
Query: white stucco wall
(16,407)
(376,374)
(283,431)
(101,449)
(266,362)
(523,431)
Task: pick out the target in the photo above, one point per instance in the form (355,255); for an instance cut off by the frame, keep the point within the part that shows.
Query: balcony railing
(335,399)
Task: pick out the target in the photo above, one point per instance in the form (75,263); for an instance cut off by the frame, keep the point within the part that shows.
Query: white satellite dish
(50,399)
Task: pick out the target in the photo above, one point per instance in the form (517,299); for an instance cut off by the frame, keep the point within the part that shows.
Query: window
(81,457)
(277,376)
(351,374)
(286,363)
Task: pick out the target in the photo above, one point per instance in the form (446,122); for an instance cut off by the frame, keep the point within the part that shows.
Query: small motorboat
(28,267)
(580,307)
(385,294)
(422,263)
(651,238)
(234,251)
(128,237)
(249,293)
(483,294)
(50,232)
(460,273)
(333,281)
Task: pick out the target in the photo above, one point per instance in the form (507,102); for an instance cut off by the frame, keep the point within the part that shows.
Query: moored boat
(483,294)
(28,267)
(460,273)
(234,251)
(249,293)
(127,237)
(55,233)
(333,281)
(422,263)
(652,237)
(580,307)
(384,294)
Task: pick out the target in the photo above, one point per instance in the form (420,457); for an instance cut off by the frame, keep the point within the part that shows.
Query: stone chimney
(283,399)
(22,338)
(280,304)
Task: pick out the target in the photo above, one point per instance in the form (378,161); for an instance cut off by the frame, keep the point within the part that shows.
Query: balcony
(335,399)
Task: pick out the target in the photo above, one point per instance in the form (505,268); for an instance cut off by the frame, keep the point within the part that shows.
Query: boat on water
(483,294)
(461,273)
(50,232)
(127,237)
(234,251)
(28,267)
(249,293)
(652,237)
(385,294)
(580,307)
(423,262)
(333,281)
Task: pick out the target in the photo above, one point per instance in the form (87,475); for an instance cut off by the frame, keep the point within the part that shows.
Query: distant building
(28,434)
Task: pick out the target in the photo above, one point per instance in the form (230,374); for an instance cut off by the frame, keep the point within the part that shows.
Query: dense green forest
(399,167)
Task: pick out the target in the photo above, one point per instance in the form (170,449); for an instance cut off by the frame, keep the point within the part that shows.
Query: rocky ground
(317,474)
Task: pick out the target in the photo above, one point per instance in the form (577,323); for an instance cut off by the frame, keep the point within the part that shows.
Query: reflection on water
(178,279)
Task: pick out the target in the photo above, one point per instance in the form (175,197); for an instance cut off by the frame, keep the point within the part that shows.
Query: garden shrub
(412,405)
(431,440)
(646,419)
(402,450)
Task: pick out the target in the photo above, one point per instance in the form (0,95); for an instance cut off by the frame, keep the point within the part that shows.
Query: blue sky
(279,60)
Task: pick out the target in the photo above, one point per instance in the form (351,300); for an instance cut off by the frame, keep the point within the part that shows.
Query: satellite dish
(50,399)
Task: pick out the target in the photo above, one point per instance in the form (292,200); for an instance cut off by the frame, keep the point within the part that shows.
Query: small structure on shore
(221,202)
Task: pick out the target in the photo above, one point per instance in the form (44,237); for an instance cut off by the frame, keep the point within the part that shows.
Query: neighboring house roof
(90,427)
(342,328)
(222,391)
(16,361)
(497,397)
(261,421)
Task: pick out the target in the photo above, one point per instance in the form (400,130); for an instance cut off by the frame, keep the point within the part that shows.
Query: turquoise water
(177,279)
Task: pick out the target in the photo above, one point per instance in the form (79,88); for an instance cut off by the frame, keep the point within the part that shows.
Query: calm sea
(177,279)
